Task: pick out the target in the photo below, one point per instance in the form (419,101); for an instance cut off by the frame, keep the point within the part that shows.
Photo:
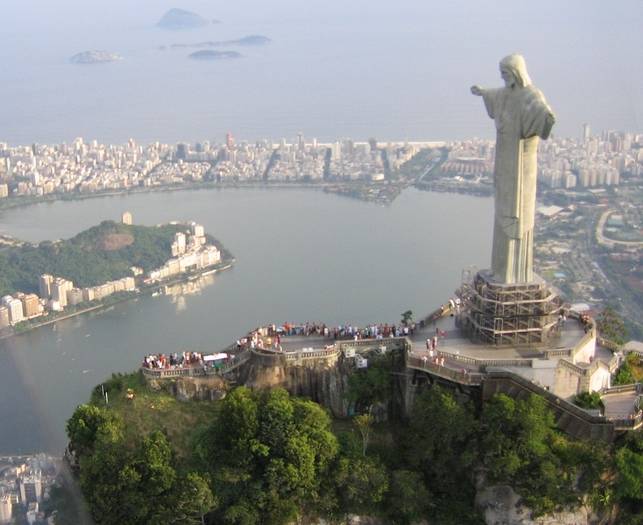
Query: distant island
(181,19)
(207,54)
(250,40)
(95,57)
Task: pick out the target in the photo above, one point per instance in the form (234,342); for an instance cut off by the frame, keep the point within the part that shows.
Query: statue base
(513,314)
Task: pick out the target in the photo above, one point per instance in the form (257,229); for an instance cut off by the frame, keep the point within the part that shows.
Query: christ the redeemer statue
(522,116)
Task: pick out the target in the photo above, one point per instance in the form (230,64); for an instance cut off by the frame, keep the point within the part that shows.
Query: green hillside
(99,254)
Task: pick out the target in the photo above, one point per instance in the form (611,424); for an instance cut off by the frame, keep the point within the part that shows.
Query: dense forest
(265,457)
(102,253)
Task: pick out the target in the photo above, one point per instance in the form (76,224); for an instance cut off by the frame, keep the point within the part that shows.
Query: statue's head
(514,71)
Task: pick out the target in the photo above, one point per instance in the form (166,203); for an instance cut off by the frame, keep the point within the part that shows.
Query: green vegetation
(589,400)
(611,326)
(103,253)
(630,371)
(407,317)
(265,457)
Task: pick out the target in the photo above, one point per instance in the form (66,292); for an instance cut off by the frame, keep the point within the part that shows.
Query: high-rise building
(44,285)
(587,133)
(4,316)
(6,508)
(4,191)
(126,218)
(75,296)
(30,305)
(197,230)
(570,181)
(31,488)
(229,140)
(182,151)
(89,294)
(14,306)
(179,244)
(59,290)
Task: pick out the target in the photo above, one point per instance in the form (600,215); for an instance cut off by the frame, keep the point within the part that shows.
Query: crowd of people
(344,332)
(175,360)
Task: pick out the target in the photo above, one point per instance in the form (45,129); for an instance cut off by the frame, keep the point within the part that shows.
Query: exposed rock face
(323,381)
(210,388)
(500,505)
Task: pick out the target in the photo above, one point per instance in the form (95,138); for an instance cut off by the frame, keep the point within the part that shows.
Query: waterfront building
(197,230)
(179,244)
(4,191)
(75,296)
(44,286)
(31,305)
(16,313)
(88,294)
(4,316)
(103,290)
(59,290)
(173,266)
(126,218)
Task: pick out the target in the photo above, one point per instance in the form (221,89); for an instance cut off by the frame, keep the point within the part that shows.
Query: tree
(84,426)
(364,424)
(372,385)
(361,482)
(625,373)
(195,499)
(407,317)
(408,498)
(521,446)
(269,454)
(629,468)
(441,442)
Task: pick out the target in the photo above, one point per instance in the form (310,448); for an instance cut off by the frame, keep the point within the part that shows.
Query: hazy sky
(394,70)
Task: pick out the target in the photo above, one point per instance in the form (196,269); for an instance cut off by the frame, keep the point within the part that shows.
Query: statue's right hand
(476,90)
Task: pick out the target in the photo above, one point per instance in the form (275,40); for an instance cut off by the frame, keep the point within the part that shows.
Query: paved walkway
(620,405)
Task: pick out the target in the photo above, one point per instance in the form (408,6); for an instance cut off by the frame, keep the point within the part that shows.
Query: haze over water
(392,70)
(301,255)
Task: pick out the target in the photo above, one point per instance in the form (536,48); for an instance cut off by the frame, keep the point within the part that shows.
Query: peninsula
(95,57)
(104,264)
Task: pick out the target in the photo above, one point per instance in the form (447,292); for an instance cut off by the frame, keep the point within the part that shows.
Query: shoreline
(144,290)
(7,204)
(329,187)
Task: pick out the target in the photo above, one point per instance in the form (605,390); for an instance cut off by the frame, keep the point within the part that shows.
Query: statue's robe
(522,116)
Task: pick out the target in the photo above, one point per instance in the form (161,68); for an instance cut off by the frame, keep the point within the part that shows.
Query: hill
(259,457)
(94,256)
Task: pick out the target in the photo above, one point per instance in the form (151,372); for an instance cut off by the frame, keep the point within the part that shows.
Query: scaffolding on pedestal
(514,314)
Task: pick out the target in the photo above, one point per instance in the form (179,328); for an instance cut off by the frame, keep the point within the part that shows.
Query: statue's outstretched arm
(477,90)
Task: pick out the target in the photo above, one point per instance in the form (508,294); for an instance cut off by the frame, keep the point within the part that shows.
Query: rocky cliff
(322,380)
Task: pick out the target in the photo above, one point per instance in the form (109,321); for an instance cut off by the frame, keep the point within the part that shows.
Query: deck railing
(457,376)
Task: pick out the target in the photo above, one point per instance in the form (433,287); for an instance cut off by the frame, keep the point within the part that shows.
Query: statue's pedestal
(509,314)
